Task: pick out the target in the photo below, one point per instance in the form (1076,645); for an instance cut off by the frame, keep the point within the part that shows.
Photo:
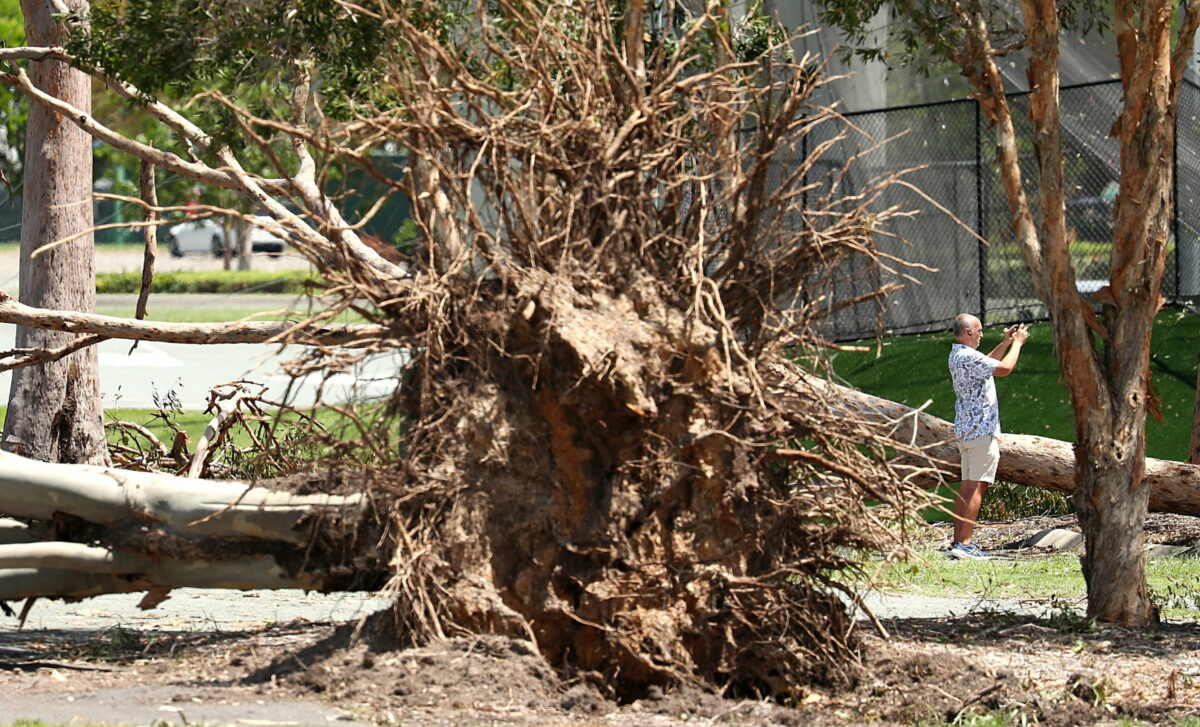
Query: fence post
(1175,294)
(980,226)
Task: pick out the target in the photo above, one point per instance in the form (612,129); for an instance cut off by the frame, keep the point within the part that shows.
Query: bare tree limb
(1024,459)
(171,162)
(348,335)
(31,357)
(150,194)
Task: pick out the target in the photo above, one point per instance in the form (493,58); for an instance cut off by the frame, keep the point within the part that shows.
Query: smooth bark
(106,496)
(238,574)
(54,411)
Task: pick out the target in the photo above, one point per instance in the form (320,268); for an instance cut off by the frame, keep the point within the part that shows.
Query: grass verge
(1174,581)
(209,313)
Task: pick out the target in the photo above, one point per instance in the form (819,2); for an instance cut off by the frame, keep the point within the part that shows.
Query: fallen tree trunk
(1024,459)
(107,496)
(95,530)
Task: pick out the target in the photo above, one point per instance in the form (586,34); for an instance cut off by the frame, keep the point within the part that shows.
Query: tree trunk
(1110,413)
(243,245)
(927,448)
(54,410)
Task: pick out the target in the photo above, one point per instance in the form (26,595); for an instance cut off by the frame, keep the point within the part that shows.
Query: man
(977,421)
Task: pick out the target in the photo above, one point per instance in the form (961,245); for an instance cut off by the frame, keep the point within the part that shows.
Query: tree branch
(149,194)
(1184,47)
(1025,459)
(23,357)
(166,160)
(349,335)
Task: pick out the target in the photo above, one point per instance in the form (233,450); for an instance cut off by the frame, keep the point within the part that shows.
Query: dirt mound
(932,670)
(477,679)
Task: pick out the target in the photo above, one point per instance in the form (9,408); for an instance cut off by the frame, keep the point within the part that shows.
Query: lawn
(193,423)
(1050,579)
(1033,400)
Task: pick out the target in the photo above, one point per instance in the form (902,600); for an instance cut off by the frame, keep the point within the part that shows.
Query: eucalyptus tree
(1104,357)
(54,411)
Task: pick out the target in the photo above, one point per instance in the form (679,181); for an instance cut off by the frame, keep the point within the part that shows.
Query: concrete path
(907,605)
(45,694)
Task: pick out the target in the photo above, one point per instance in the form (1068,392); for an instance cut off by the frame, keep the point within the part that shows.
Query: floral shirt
(976,412)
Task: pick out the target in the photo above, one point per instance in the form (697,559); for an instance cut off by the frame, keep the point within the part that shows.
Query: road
(139,377)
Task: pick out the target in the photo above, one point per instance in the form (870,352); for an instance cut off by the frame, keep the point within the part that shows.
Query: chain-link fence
(945,155)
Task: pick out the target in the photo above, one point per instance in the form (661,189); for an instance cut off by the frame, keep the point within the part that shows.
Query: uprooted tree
(584,448)
(597,441)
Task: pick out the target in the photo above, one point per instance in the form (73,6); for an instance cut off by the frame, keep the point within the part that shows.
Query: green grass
(1174,582)
(1033,400)
(190,422)
(209,313)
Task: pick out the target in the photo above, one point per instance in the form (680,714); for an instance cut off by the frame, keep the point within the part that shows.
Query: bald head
(967,329)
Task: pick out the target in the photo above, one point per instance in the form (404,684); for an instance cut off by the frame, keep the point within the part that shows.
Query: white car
(207,236)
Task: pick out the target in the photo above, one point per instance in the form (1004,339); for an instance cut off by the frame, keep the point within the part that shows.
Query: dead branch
(349,335)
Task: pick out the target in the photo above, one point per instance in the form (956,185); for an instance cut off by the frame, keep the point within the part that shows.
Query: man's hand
(1018,333)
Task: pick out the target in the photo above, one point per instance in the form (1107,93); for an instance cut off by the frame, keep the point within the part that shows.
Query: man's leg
(966,509)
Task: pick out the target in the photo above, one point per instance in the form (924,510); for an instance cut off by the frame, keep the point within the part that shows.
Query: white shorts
(980,457)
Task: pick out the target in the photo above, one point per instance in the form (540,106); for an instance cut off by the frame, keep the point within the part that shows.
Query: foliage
(930,33)
(13,111)
(296,282)
(248,50)
(1006,501)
